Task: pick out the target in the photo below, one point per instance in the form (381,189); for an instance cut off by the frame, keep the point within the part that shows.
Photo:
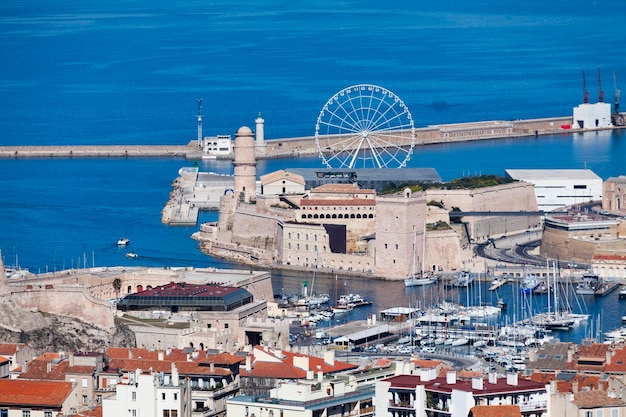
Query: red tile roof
(10,348)
(18,392)
(184,368)
(175,355)
(595,399)
(496,411)
(283,365)
(96,412)
(441,385)
(3,359)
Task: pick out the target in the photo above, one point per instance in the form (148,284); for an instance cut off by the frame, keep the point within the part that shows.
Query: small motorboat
(123,241)
(131,255)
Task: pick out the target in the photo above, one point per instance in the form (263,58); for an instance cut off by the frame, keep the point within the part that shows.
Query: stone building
(400,233)
(581,236)
(614,194)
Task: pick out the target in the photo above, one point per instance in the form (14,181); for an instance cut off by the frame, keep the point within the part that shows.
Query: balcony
(527,406)
(405,405)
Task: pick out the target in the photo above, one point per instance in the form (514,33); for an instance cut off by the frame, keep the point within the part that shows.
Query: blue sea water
(129,72)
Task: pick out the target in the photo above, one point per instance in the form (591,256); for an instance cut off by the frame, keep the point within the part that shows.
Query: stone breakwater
(305,146)
(114,151)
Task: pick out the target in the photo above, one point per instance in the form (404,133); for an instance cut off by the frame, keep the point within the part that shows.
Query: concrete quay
(95,151)
(302,146)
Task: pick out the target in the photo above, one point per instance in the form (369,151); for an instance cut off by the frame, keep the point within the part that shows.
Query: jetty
(306,145)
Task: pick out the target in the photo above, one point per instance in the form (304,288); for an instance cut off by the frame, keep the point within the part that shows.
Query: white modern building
(149,394)
(309,398)
(220,145)
(592,116)
(558,188)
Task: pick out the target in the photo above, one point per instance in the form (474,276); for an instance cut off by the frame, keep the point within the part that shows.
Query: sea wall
(292,147)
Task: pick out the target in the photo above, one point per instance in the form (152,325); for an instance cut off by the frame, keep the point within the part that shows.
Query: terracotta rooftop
(280,175)
(174,355)
(618,361)
(496,411)
(441,385)
(3,359)
(184,368)
(280,364)
(595,399)
(38,369)
(10,348)
(96,412)
(19,392)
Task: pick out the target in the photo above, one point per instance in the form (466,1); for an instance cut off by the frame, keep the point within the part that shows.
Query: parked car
(358,349)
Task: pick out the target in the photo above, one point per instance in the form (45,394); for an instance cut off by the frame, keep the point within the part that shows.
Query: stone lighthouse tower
(261,146)
(245,165)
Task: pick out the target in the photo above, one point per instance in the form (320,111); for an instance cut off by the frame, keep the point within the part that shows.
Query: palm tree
(117,286)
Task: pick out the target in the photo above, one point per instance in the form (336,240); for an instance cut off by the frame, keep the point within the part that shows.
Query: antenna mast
(585,92)
(600,91)
(616,98)
(199,122)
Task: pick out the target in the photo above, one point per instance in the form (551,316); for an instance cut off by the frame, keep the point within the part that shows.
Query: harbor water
(119,72)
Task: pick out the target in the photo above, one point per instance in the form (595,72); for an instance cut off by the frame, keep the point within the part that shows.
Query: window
(84,383)
(226,325)
(47,414)
(85,399)
(174,413)
(588,413)
(163,396)
(25,413)
(599,413)
(4,412)
(166,413)
(175,396)
(99,399)
(133,396)
(133,412)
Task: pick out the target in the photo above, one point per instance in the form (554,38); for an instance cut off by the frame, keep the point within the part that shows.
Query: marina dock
(498,284)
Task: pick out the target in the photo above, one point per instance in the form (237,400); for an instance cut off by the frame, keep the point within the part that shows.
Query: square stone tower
(400,234)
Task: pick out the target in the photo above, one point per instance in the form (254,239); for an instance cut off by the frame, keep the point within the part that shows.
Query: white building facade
(592,116)
(559,188)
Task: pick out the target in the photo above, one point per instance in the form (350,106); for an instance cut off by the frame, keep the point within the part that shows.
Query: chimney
(48,367)
(477,382)
(248,363)
(427,374)
(71,359)
(161,355)
(329,357)
(511,379)
(609,354)
(212,367)
(175,378)
(310,374)
(451,377)
(320,376)
(575,386)
(493,377)
(169,351)
(130,353)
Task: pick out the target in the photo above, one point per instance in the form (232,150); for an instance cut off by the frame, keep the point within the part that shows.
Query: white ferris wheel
(365,126)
